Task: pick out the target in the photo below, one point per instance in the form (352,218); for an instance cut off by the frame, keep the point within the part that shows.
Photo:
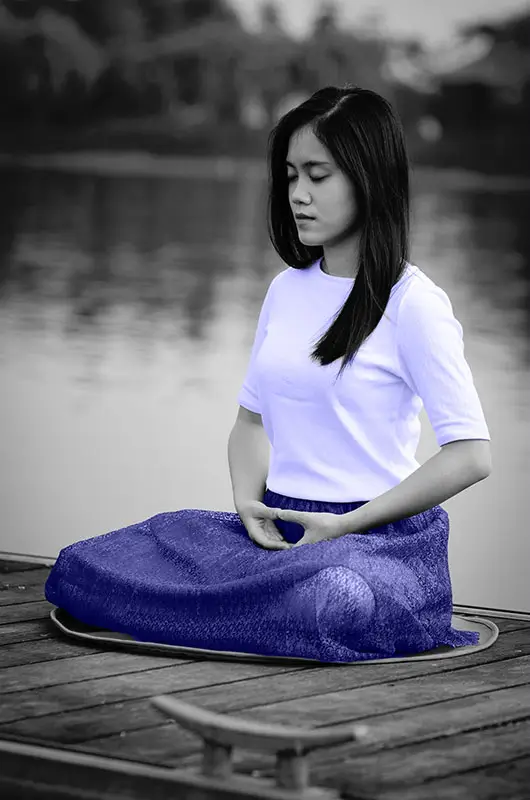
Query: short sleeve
(248,396)
(430,349)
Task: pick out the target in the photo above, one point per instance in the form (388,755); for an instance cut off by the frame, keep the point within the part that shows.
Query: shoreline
(141,163)
(137,163)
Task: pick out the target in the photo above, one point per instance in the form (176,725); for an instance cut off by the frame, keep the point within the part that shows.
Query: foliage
(162,56)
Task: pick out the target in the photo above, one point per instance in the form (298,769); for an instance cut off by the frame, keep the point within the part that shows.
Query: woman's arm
(455,467)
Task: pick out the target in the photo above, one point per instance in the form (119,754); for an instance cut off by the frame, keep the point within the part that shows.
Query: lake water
(130,292)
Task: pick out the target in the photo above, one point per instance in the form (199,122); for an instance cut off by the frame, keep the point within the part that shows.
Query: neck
(341,265)
(341,257)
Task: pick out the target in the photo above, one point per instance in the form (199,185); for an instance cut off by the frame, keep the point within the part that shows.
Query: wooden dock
(80,722)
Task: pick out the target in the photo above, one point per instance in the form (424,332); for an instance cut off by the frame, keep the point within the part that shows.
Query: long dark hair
(366,139)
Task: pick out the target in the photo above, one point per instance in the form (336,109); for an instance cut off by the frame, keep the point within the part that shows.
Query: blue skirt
(194,577)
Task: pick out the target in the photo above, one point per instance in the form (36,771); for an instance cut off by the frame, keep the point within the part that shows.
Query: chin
(313,241)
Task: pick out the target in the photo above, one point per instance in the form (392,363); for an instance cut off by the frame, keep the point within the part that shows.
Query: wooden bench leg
(292,770)
(221,733)
(217,759)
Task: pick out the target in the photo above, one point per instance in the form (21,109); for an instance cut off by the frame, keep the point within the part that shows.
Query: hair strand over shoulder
(366,139)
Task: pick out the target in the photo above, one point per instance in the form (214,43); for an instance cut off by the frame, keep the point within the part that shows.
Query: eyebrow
(308,163)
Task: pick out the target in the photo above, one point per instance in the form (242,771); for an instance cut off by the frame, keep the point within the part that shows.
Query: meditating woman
(339,547)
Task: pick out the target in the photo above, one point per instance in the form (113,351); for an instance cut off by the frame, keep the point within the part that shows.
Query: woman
(344,556)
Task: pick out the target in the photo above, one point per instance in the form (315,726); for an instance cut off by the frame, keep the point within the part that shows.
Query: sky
(432,22)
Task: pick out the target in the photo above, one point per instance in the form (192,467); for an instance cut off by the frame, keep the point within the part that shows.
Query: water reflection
(128,309)
(98,241)
(158,247)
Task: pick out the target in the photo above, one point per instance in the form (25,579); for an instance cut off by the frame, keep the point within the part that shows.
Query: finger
(280,544)
(269,544)
(258,537)
(266,544)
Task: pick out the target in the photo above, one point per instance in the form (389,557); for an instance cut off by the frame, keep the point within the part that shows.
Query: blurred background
(134,254)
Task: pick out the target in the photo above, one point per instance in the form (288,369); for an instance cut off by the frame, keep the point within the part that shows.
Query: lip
(304,219)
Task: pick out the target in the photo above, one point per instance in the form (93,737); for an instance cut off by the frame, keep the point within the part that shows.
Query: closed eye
(315,180)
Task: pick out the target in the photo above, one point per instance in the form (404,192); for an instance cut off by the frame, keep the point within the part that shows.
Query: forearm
(441,477)
(248,460)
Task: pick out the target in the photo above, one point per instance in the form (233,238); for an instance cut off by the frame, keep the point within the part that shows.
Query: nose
(300,195)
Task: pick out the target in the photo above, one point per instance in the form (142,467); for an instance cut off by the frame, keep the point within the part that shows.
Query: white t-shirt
(356,438)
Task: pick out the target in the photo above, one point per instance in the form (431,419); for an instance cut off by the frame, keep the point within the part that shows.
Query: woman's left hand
(318,526)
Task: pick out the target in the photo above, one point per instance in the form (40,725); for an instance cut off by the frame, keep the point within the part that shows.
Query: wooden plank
(397,724)
(19,566)
(426,761)
(296,682)
(137,732)
(91,675)
(18,632)
(58,716)
(107,678)
(41,651)
(25,578)
(406,748)
(81,668)
(23,612)
(507,781)
(21,593)
(351,705)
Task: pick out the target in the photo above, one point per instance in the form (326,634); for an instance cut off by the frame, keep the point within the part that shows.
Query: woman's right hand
(256,518)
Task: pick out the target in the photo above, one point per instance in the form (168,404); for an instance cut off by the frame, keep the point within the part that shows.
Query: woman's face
(320,190)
